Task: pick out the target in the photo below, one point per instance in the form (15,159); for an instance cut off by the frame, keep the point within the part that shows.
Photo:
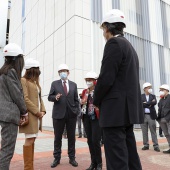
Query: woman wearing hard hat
(36,110)
(91,123)
(164,113)
(13,110)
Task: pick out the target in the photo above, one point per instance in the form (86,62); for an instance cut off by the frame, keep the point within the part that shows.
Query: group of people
(112,102)
(20,105)
(163,117)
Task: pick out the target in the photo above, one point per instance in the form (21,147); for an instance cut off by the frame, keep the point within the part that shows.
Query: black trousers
(79,122)
(160,130)
(120,148)
(59,125)
(93,133)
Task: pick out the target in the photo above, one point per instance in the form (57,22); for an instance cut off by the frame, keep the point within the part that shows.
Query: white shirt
(146,109)
(67,84)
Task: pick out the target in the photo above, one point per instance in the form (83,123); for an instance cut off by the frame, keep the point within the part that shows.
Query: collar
(117,35)
(165,96)
(64,80)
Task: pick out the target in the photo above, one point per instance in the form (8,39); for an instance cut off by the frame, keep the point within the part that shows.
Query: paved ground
(150,159)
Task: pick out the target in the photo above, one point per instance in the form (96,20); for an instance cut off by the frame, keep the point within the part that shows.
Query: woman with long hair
(36,110)
(13,111)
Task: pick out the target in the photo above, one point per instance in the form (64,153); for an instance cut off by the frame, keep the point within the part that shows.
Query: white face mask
(162,93)
(150,91)
(89,84)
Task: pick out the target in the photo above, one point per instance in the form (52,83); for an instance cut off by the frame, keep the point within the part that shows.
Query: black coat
(165,110)
(150,105)
(67,102)
(117,93)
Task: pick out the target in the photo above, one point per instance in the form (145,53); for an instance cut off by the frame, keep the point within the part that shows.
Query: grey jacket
(12,104)
(67,103)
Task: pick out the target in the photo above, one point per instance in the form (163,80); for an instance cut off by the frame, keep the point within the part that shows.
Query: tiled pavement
(150,159)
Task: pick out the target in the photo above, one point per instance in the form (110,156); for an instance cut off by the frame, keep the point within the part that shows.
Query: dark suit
(150,105)
(65,112)
(164,116)
(164,110)
(149,120)
(118,96)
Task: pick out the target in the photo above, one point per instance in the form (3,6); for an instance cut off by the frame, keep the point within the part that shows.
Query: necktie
(65,87)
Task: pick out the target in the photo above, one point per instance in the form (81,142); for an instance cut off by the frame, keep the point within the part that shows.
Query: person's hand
(58,96)
(96,108)
(83,101)
(24,120)
(40,114)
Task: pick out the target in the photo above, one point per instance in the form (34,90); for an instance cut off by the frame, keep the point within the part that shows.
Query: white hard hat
(12,49)
(113,16)
(146,85)
(63,67)
(91,75)
(30,62)
(165,86)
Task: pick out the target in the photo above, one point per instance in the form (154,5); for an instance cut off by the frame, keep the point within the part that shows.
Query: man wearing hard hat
(65,110)
(164,113)
(149,101)
(118,95)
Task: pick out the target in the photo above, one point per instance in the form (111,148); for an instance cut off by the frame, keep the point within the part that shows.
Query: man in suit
(164,113)
(118,95)
(65,109)
(149,101)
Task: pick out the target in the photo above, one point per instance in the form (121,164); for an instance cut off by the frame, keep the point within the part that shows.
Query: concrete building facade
(68,31)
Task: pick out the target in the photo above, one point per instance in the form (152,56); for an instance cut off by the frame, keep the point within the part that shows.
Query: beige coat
(32,104)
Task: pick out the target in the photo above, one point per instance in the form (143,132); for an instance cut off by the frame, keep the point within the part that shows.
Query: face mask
(63,75)
(162,93)
(150,91)
(89,84)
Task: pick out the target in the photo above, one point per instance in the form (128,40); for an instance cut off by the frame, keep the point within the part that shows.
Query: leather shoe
(145,148)
(79,136)
(93,166)
(55,163)
(157,149)
(99,166)
(73,162)
(167,152)
(161,135)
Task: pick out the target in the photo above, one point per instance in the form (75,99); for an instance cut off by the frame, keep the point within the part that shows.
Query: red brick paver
(150,159)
